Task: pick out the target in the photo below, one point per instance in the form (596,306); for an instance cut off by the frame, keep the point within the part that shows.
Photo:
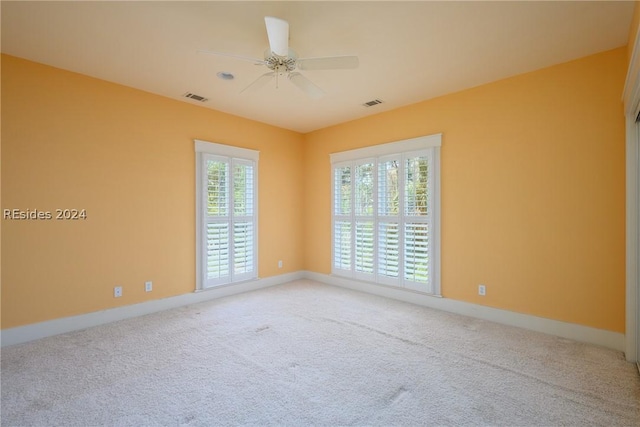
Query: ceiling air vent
(372,103)
(195,97)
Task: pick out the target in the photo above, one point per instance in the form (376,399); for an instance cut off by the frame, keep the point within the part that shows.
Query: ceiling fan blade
(306,85)
(278,33)
(259,82)
(328,63)
(244,58)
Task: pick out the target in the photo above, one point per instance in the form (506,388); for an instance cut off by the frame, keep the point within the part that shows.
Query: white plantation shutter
(342,203)
(364,247)
(388,251)
(418,183)
(389,238)
(416,253)
(386,214)
(364,189)
(242,248)
(364,206)
(416,187)
(217,172)
(342,191)
(243,188)
(227,214)
(342,245)
(218,251)
(243,230)
(389,187)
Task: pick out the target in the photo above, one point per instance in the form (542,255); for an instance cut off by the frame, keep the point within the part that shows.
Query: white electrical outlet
(280,264)
(482,290)
(117,292)
(148,286)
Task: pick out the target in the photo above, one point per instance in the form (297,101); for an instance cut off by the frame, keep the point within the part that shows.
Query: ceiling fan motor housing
(280,64)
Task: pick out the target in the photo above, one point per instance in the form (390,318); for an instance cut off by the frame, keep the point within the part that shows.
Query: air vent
(195,97)
(372,103)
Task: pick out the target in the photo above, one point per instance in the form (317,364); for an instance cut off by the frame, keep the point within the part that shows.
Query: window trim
(389,148)
(398,149)
(203,148)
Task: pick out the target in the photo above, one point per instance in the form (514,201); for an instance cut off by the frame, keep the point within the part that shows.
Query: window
(226,214)
(386,214)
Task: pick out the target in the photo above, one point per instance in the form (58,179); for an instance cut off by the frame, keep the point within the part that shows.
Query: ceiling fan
(283,61)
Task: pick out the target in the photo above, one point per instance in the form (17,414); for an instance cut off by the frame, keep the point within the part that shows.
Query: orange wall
(532,190)
(533,181)
(127,157)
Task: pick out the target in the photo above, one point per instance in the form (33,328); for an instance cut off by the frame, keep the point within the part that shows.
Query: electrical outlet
(117,292)
(482,290)
(148,286)
(280,264)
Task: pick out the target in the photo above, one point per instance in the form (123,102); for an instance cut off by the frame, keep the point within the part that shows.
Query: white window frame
(233,155)
(400,150)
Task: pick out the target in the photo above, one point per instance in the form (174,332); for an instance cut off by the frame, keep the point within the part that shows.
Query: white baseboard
(612,340)
(22,334)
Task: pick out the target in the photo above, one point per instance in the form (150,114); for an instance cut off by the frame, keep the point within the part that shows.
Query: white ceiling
(408,51)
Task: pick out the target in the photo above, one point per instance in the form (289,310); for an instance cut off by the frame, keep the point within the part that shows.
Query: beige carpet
(305,354)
